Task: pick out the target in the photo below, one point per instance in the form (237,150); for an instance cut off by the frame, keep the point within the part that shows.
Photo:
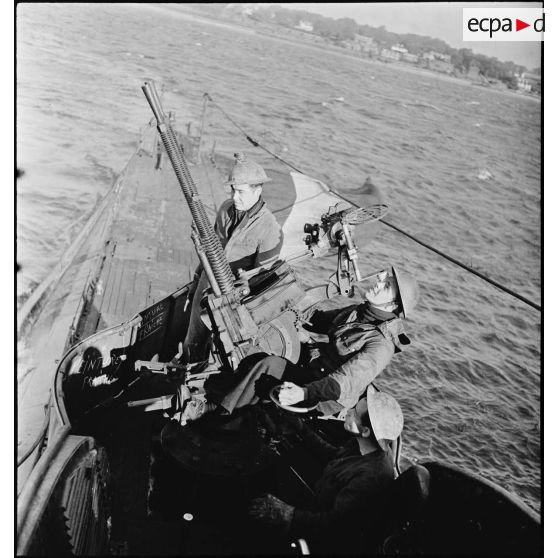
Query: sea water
(458,164)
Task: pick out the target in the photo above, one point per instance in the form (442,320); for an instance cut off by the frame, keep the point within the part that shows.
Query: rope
(408,235)
(453,260)
(254,142)
(467,268)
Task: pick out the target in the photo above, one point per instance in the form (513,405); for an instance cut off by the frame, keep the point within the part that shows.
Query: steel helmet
(386,416)
(408,291)
(246,172)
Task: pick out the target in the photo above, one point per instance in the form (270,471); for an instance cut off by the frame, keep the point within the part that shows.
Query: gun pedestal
(242,324)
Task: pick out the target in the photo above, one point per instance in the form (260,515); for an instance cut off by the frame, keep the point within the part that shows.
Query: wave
(422,105)
(103,172)
(485,174)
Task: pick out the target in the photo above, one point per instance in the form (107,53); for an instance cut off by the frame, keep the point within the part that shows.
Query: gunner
(355,494)
(362,339)
(250,235)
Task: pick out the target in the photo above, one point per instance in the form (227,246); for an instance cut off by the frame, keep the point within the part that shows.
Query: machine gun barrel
(219,266)
(265,322)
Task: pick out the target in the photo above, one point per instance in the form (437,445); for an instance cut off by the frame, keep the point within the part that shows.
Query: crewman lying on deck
(362,341)
(249,234)
(355,485)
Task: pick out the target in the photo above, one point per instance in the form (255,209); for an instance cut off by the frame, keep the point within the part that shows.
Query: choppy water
(459,165)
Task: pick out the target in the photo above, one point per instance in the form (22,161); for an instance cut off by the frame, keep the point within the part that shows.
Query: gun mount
(241,314)
(336,230)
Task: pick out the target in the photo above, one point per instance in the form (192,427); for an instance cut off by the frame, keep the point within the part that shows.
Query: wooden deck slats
(150,234)
(137,252)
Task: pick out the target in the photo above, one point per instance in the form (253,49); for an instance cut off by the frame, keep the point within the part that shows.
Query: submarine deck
(134,250)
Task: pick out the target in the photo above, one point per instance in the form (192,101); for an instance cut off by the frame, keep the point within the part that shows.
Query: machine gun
(248,317)
(336,231)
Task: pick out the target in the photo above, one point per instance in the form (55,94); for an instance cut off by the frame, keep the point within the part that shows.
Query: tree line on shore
(338,31)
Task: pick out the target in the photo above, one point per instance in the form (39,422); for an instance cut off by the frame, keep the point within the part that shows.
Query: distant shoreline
(280,35)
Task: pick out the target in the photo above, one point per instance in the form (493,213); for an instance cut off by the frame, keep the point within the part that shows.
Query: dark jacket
(349,494)
(356,353)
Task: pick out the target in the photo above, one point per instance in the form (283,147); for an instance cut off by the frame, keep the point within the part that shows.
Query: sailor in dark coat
(355,480)
(362,339)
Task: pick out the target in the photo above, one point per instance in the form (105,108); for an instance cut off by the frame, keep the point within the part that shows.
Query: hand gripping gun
(245,318)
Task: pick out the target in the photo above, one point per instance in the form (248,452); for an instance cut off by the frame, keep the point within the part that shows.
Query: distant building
(440,66)
(436,56)
(399,48)
(522,83)
(367,44)
(305,26)
(363,44)
(364,40)
(528,81)
(408,57)
(390,54)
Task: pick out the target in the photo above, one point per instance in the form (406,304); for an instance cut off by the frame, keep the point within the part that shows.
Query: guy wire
(467,268)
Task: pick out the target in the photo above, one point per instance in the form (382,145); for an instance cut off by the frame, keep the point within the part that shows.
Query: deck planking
(134,250)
